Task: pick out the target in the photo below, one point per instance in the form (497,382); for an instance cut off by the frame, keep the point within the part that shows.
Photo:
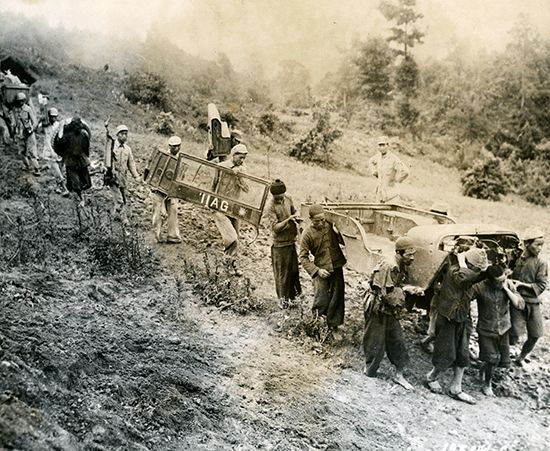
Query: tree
(404,33)
(374,64)
(294,84)
(406,76)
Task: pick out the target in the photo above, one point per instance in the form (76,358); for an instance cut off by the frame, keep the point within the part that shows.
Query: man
(383,306)
(493,297)
(119,160)
(53,160)
(166,208)
(231,185)
(530,277)
(72,143)
(452,336)
(322,241)
(25,125)
(389,170)
(282,219)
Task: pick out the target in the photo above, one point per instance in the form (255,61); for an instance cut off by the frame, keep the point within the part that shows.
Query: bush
(164,124)
(485,180)
(118,250)
(148,89)
(217,286)
(315,146)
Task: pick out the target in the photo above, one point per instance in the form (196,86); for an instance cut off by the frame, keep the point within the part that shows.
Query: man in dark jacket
(322,241)
(452,331)
(282,219)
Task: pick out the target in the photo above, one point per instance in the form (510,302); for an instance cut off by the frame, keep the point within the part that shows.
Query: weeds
(216,285)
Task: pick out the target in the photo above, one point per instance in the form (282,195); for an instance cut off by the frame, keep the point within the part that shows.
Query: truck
(369,231)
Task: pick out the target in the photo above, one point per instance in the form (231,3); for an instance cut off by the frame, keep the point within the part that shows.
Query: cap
(477,257)
(239,149)
(20,96)
(532,233)
(53,112)
(383,140)
(277,187)
(315,210)
(174,141)
(121,128)
(403,243)
(440,207)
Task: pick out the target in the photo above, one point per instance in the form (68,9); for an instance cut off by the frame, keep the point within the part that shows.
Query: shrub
(485,180)
(217,286)
(147,88)
(118,250)
(164,123)
(315,147)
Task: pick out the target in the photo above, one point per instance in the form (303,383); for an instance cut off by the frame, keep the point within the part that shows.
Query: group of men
(508,299)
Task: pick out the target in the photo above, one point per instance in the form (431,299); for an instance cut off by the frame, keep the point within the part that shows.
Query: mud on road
(97,362)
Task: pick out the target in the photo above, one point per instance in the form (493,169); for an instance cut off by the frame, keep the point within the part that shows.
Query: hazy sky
(310,31)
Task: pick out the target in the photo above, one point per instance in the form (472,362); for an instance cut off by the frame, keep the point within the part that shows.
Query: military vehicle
(369,232)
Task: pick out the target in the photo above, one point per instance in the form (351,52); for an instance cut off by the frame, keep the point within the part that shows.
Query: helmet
(403,243)
(239,149)
(440,207)
(53,112)
(532,233)
(20,96)
(477,257)
(121,128)
(174,141)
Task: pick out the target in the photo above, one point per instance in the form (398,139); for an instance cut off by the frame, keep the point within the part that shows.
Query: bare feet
(400,379)
(487,390)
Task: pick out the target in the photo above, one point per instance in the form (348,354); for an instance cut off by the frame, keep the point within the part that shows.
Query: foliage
(147,88)
(404,33)
(315,147)
(374,65)
(217,286)
(118,250)
(164,123)
(407,113)
(485,180)
(406,76)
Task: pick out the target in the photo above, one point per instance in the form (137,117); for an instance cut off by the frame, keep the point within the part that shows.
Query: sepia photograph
(281,225)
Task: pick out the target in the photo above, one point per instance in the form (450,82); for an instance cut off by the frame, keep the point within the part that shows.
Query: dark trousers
(329,297)
(286,272)
(451,345)
(383,335)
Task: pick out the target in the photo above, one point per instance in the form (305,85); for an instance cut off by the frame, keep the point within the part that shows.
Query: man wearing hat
(53,160)
(119,160)
(383,306)
(166,208)
(530,277)
(25,125)
(282,219)
(322,241)
(231,185)
(389,170)
(452,328)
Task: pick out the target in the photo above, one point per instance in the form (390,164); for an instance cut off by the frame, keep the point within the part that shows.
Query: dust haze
(260,33)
